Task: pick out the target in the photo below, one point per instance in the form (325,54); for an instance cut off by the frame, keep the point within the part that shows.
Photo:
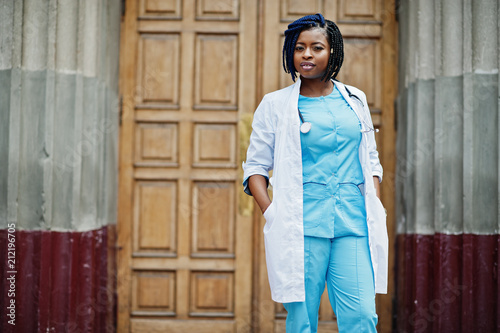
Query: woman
(326,223)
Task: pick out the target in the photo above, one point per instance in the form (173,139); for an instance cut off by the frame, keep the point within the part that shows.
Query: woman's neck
(315,87)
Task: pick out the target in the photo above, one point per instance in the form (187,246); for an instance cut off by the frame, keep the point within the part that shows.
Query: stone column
(58,163)
(448,166)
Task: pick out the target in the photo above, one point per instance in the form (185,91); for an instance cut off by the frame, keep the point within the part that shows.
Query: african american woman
(326,223)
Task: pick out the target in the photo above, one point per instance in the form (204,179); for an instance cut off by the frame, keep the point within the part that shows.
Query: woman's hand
(376,183)
(258,187)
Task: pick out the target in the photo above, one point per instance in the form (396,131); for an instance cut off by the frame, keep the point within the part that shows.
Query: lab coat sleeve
(260,153)
(372,145)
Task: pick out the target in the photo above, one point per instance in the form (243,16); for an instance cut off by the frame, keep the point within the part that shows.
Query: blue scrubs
(335,229)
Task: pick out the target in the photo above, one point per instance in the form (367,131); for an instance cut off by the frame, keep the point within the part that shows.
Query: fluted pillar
(58,163)
(448,167)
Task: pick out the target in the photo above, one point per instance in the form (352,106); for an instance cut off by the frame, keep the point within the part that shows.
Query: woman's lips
(306,65)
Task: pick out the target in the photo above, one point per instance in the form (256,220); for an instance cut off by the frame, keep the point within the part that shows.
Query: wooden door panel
(170,9)
(178,326)
(215,145)
(361,69)
(213,219)
(216,72)
(155,218)
(156,144)
(153,293)
(295,9)
(212,294)
(158,70)
(217,10)
(359,10)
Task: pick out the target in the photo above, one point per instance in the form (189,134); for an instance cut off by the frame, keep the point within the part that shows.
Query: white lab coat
(275,145)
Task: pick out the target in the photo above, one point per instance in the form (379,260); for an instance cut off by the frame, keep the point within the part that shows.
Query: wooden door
(187,78)
(370,62)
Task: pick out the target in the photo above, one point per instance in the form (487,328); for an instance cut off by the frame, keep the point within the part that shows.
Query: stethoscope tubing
(370,127)
(305,127)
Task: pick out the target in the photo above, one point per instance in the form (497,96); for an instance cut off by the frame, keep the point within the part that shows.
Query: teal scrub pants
(344,265)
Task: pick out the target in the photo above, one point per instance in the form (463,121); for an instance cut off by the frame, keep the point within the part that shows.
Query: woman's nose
(307,53)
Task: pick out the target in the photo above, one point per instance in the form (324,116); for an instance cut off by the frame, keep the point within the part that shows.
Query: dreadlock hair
(332,34)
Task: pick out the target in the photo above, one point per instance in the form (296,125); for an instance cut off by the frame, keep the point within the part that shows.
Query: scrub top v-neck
(332,175)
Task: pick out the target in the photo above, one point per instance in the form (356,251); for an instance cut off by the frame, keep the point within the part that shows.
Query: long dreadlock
(332,34)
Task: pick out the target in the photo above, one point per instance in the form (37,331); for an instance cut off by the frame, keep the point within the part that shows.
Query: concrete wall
(448,165)
(58,159)
(59,113)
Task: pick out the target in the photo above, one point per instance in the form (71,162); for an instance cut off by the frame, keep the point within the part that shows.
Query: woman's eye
(299,48)
(318,48)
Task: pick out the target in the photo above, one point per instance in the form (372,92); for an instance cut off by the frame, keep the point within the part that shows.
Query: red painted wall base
(448,283)
(63,281)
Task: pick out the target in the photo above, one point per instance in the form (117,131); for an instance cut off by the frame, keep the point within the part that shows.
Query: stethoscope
(306,126)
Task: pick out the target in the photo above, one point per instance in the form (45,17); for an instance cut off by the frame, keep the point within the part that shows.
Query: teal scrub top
(334,205)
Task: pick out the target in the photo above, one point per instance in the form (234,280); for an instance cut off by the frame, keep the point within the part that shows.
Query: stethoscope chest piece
(305,127)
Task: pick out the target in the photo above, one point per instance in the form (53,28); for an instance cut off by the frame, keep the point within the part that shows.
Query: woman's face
(311,54)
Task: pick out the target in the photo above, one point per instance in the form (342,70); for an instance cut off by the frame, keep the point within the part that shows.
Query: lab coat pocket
(379,243)
(379,210)
(377,219)
(376,215)
(269,216)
